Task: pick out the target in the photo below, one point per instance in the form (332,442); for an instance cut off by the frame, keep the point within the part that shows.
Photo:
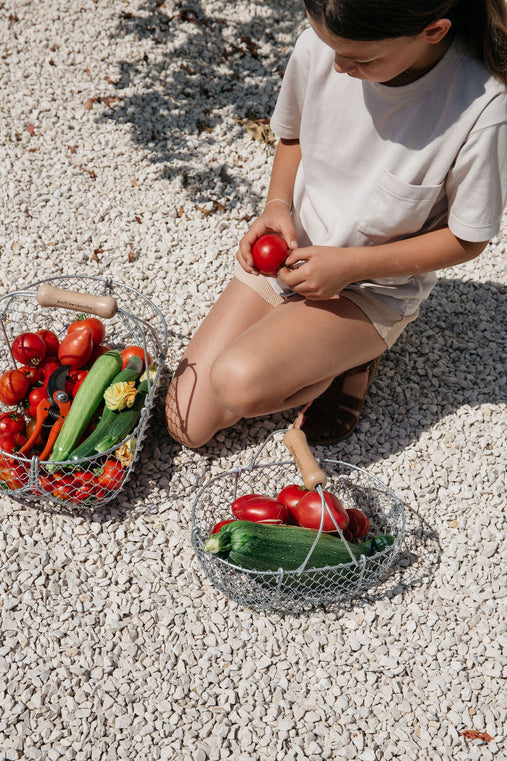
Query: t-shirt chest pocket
(397,208)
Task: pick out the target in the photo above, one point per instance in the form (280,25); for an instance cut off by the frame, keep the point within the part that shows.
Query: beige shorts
(388,323)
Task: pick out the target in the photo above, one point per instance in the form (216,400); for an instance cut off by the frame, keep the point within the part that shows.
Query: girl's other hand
(277,218)
(318,272)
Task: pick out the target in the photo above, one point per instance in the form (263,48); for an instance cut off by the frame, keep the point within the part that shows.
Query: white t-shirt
(382,163)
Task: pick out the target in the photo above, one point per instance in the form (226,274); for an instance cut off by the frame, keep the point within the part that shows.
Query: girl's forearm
(283,174)
(423,253)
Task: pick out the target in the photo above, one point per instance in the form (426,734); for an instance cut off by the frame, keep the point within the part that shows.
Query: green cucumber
(124,422)
(87,400)
(259,547)
(131,371)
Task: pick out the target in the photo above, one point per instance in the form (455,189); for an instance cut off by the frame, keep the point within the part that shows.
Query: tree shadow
(198,76)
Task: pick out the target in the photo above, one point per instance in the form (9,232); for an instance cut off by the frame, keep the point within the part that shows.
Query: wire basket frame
(298,590)
(138,322)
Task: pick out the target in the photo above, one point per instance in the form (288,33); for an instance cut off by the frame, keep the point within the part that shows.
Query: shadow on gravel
(199,72)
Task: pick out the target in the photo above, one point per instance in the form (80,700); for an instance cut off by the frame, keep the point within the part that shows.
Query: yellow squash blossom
(120,395)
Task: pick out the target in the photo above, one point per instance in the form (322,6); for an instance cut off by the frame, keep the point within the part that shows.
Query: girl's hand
(323,273)
(277,218)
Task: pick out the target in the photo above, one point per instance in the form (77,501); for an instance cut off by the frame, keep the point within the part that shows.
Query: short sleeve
(286,118)
(477,184)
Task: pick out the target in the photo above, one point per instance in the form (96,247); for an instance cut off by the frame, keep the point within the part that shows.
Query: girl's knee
(238,384)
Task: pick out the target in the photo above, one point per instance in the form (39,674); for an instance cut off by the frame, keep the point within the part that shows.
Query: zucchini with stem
(87,400)
(259,547)
(130,372)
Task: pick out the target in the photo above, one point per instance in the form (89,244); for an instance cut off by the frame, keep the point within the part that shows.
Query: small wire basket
(130,319)
(305,588)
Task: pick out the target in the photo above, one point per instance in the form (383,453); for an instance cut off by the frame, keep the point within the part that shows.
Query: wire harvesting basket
(130,319)
(296,591)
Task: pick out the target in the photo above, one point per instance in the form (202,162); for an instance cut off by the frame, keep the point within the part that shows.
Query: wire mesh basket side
(291,590)
(137,322)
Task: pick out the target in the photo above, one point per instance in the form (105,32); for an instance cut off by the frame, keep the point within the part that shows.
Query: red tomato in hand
(259,509)
(136,351)
(13,387)
(308,512)
(269,253)
(12,422)
(92,323)
(359,524)
(28,349)
(51,341)
(76,348)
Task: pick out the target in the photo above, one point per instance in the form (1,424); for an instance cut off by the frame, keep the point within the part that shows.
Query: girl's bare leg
(193,414)
(249,359)
(291,356)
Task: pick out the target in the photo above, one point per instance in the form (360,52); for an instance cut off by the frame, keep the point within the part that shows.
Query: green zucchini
(87,400)
(131,371)
(259,547)
(124,422)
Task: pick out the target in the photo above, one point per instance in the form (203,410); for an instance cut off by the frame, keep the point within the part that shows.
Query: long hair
(481,23)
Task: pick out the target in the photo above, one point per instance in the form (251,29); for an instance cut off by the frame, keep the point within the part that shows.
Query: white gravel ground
(121,156)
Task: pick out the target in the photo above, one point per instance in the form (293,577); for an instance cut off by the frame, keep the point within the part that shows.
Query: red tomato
(12,422)
(259,509)
(35,396)
(48,366)
(28,349)
(13,475)
(76,378)
(216,528)
(290,496)
(309,511)
(137,351)
(76,348)
(111,475)
(51,341)
(92,323)
(30,427)
(97,352)
(63,487)
(11,443)
(33,374)
(269,253)
(13,387)
(359,524)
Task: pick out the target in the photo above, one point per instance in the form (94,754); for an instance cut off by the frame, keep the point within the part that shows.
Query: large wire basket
(130,319)
(307,587)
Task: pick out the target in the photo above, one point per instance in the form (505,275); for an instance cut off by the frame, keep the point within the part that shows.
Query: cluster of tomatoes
(298,506)
(38,354)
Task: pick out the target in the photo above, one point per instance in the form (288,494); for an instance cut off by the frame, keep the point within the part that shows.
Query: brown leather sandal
(333,415)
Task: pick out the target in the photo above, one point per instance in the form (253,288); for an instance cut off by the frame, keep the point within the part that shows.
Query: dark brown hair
(482,23)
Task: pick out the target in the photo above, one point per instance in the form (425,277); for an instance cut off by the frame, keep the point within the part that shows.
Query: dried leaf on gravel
(474,734)
(258,129)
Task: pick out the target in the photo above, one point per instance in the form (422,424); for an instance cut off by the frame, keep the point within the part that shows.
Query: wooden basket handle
(312,474)
(102,306)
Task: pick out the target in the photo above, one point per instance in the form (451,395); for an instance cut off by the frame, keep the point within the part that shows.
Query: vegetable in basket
(261,509)
(108,420)
(87,400)
(255,546)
